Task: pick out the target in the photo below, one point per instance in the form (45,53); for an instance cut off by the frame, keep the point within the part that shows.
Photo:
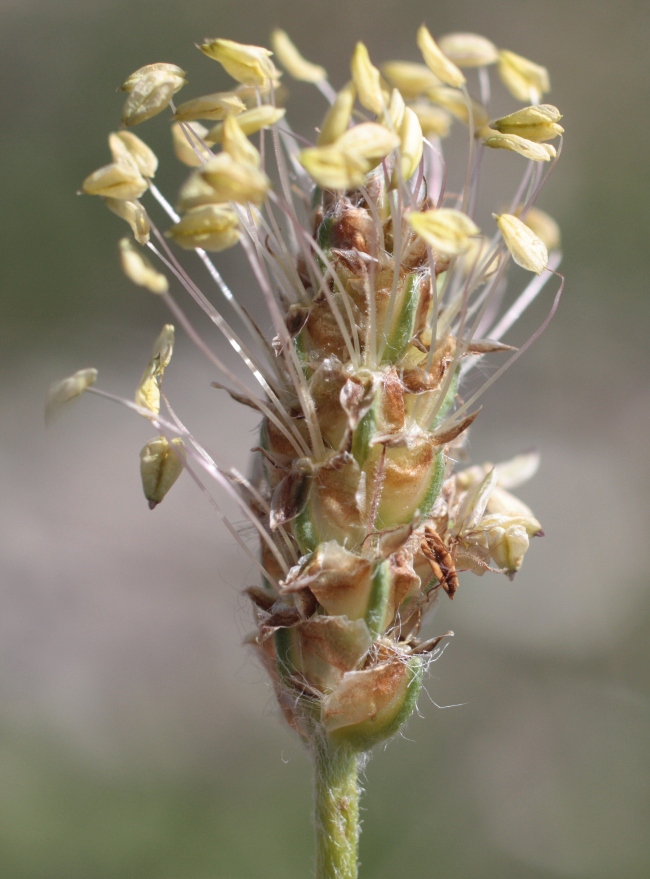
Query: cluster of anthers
(383,294)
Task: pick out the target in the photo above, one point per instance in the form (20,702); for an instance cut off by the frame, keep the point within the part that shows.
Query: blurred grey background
(138,737)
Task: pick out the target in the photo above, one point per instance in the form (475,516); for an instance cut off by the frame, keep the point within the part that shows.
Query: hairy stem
(337,810)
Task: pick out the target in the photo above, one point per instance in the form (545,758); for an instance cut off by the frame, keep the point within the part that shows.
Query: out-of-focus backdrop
(138,737)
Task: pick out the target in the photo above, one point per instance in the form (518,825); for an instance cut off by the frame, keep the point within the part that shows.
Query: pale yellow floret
(188,149)
(161,463)
(468,50)
(249,65)
(213,227)
(66,389)
(524,79)
(367,80)
(368,140)
(139,270)
(235,181)
(160,67)
(537,123)
(214,107)
(237,145)
(412,145)
(117,180)
(537,152)
(526,249)
(446,230)
(250,122)
(544,226)
(434,121)
(292,61)
(394,114)
(338,116)
(334,168)
(149,96)
(135,215)
(457,104)
(411,78)
(196,193)
(128,148)
(147,394)
(438,63)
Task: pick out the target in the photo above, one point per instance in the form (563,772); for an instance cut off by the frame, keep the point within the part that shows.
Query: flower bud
(161,67)
(527,250)
(367,80)
(161,463)
(457,104)
(237,145)
(411,79)
(524,79)
(293,62)
(135,215)
(338,116)
(334,168)
(447,231)
(215,107)
(250,65)
(128,148)
(235,181)
(444,69)
(537,152)
(537,123)
(139,270)
(149,96)
(212,227)
(468,50)
(434,121)
(188,149)
(64,390)
(115,181)
(250,122)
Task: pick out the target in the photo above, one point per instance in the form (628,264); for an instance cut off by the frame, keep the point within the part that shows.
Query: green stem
(337,809)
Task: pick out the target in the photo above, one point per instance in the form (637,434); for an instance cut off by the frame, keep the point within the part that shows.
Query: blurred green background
(138,737)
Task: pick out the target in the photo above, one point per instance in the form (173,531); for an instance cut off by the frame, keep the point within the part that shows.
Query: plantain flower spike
(382,295)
